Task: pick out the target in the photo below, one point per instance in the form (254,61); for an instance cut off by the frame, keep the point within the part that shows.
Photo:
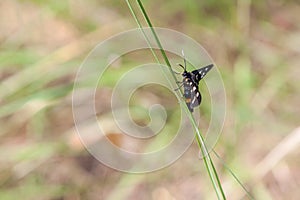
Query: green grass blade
(206,157)
(234,176)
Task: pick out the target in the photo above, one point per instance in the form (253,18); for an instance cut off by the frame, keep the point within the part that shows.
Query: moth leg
(180,86)
(181,66)
(176,72)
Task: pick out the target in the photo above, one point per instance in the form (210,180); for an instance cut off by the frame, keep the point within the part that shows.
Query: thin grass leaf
(206,157)
(234,176)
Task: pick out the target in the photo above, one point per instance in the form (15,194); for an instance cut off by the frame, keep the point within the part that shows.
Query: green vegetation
(255,46)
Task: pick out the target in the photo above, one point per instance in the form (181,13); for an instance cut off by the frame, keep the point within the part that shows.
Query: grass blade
(234,176)
(206,157)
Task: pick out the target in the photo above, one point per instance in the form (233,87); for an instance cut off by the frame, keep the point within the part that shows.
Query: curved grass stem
(206,157)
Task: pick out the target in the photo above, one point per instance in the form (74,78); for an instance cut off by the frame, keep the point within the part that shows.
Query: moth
(190,84)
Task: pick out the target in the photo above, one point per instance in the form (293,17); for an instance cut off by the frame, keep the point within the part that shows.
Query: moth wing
(188,96)
(198,74)
(195,96)
(190,107)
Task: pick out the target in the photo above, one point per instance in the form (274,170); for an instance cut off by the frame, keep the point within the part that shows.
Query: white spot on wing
(194,88)
(193,101)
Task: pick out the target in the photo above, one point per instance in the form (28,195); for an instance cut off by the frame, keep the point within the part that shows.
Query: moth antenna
(181,66)
(182,52)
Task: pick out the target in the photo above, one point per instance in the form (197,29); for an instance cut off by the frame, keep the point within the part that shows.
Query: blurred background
(256,45)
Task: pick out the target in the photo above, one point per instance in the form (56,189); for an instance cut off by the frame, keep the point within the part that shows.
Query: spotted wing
(195,96)
(198,74)
(192,95)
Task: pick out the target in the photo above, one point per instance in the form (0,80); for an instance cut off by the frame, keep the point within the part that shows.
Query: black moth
(190,83)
